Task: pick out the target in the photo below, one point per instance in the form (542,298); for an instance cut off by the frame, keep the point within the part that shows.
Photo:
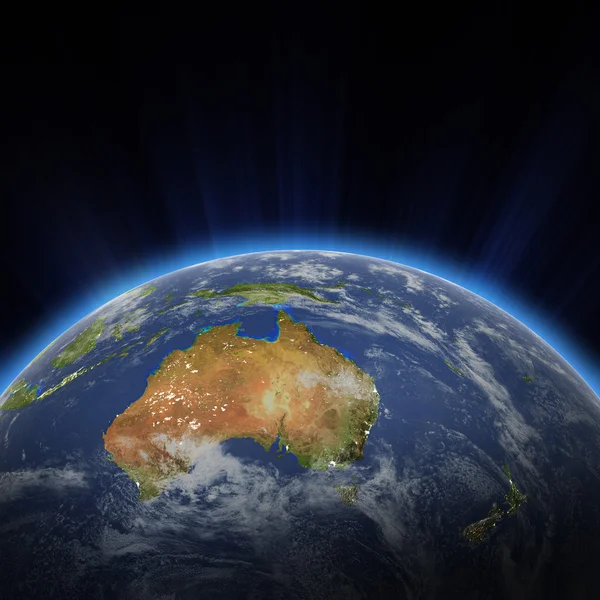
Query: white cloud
(330,255)
(389,499)
(124,304)
(16,484)
(222,263)
(444,301)
(307,271)
(380,322)
(526,353)
(514,434)
(378,353)
(426,374)
(426,326)
(385,268)
(229,497)
(8,429)
(270,256)
(414,283)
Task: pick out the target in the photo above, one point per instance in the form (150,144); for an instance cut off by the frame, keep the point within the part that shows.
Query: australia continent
(320,405)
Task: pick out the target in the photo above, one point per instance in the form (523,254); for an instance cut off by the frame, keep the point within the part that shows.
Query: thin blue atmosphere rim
(157,266)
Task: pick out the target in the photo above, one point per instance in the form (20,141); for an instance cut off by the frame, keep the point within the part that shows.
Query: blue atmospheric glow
(158,266)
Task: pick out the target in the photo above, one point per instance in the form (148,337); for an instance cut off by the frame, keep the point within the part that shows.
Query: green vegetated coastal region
(119,329)
(21,393)
(451,366)
(83,344)
(476,532)
(147,290)
(264,293)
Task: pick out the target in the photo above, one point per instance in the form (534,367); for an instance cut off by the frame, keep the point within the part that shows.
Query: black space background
(471,135)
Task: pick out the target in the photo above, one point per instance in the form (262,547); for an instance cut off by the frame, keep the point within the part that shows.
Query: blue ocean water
(438,435)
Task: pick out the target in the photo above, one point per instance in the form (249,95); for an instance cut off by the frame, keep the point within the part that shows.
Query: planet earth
(299,425)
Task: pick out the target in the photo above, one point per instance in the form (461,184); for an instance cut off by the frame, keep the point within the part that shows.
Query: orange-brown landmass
(224,386)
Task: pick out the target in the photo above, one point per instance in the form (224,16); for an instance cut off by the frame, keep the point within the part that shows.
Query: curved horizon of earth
(262,424)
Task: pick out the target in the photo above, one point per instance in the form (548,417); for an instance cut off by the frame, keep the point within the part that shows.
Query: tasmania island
(318,404)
